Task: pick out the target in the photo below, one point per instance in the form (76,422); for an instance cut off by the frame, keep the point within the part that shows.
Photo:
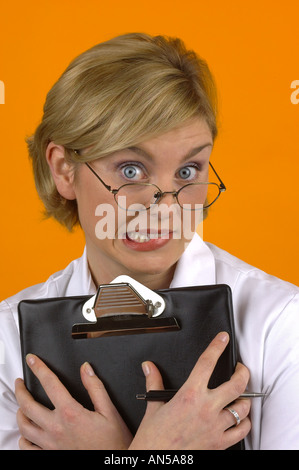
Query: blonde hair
(113,96)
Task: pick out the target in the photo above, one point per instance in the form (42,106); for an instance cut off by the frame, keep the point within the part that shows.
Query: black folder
(116,343)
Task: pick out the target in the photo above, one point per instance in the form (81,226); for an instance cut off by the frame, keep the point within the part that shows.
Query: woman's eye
(188,172)
(132,172)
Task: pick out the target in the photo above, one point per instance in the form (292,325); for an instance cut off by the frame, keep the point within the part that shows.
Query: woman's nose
(167,197)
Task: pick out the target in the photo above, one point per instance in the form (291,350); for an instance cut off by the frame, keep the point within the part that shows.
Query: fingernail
(88,369)
(145,368)
(30,359)
(223,337)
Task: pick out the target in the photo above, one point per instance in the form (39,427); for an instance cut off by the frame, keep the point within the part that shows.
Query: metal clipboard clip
(123,307)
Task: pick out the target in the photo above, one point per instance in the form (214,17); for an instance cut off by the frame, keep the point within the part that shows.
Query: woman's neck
(103,271)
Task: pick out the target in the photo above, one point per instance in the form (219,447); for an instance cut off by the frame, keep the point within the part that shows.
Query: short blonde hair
(113,96)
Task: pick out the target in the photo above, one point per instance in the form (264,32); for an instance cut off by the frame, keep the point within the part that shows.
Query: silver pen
(253,395)
(166,395)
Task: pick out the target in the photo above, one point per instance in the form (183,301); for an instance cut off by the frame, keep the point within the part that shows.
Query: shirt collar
(81,282)
(195,267)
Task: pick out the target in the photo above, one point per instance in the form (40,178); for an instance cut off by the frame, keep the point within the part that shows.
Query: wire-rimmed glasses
(191,196)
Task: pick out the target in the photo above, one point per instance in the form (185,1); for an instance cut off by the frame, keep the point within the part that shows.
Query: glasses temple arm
(99,178)
(222,185)
(113,191)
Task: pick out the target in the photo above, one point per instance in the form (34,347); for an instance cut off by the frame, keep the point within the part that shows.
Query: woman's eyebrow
(190,154)
(196,150)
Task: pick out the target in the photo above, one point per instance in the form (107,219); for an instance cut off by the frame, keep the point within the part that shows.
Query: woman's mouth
(147,240)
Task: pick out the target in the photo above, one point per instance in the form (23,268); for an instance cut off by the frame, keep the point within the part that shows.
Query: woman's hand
(69,426)
(196,418)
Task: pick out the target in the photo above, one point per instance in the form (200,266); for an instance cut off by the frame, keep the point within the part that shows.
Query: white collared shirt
(266,312)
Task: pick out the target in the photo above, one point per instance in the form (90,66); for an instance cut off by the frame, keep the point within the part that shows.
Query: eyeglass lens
(190,197)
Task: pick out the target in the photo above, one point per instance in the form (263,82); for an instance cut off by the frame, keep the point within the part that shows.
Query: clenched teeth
(139,238)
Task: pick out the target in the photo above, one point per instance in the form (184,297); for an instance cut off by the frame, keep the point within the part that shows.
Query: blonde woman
(136,117)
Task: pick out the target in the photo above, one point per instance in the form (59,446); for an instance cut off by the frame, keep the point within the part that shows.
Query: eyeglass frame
(221,186)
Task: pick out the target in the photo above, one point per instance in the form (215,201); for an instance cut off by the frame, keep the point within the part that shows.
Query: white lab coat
(266,312)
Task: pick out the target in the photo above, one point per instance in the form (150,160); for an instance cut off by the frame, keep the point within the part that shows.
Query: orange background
(252,49)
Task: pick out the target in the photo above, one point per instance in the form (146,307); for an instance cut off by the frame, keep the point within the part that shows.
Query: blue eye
(133,171)
(130,171)
(188,172)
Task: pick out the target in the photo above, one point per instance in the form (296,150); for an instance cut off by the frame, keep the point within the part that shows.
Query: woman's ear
(62,171)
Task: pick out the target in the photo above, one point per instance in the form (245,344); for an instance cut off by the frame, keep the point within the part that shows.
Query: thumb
(96,390)
(153,381)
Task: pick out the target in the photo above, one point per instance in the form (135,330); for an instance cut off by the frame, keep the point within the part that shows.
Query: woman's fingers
(236,422)
(236,412)
(98,394)
(207,361)
(54,389)
(153,378)
(29,407)
(38,415)
(153,381)
(102,402)
(24,444)
(30,431)
(96,389)
(231,390)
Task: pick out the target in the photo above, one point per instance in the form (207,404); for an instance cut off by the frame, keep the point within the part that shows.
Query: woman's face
(144,245)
